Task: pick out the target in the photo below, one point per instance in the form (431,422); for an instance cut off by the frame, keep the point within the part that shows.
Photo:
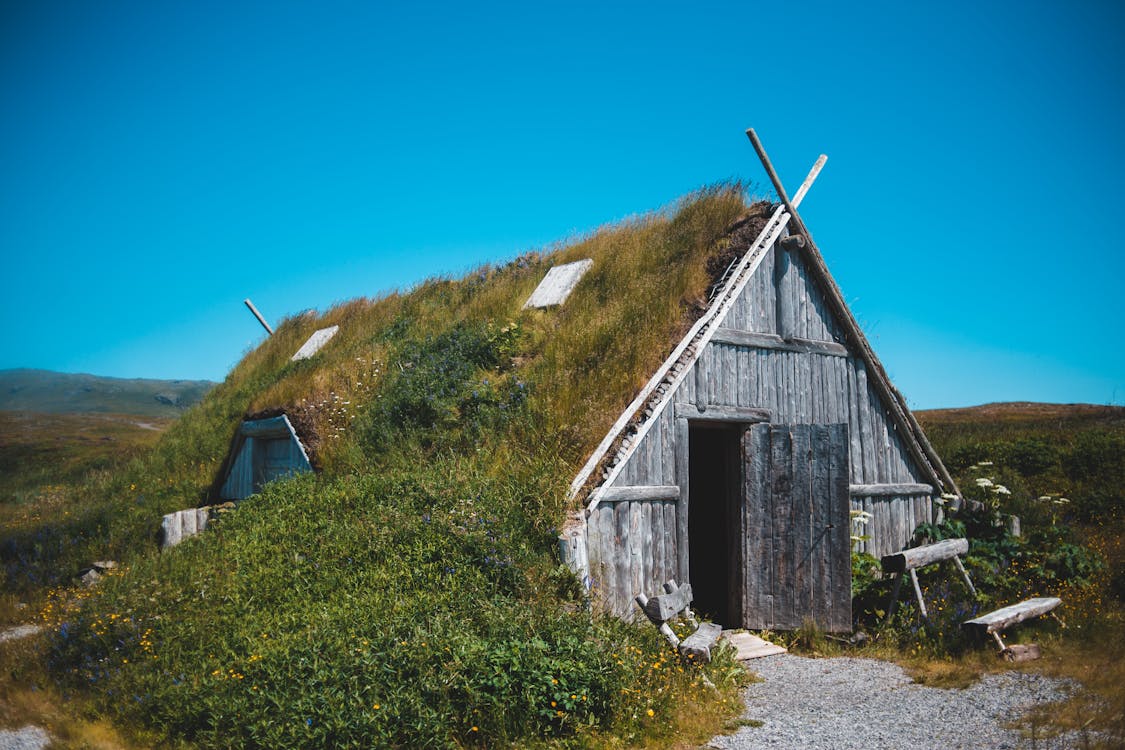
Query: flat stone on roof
(557,285)
(315,342)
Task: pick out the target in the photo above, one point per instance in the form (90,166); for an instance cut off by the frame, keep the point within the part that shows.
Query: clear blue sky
(160,161)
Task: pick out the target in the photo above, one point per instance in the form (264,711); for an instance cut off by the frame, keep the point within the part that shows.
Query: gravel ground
(28,738)
(865,704)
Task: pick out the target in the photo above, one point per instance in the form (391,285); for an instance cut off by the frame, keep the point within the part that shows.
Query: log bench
(1003,618)
(909,560)
(667,606)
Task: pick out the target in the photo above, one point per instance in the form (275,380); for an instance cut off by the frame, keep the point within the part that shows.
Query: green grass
(408,594)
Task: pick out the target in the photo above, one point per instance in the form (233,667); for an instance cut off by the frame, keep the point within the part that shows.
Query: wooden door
(795,528)
(272,459)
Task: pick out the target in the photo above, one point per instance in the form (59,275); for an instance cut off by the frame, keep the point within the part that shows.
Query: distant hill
(1025,413)
(66,393)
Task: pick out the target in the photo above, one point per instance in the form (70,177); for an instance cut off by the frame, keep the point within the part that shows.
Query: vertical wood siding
(893,520)
(640,543)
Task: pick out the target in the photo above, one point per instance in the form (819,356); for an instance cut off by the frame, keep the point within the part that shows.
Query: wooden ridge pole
(920,446)
(258,315)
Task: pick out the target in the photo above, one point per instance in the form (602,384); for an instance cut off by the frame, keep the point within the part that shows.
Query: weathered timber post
(258,315)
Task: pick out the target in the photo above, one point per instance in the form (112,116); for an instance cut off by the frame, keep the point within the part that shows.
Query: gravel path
(846,703)
(28,738)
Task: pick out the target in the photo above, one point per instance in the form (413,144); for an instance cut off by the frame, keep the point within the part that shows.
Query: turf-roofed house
(735,457)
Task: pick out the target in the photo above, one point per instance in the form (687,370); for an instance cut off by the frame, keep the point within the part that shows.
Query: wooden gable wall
(778,356)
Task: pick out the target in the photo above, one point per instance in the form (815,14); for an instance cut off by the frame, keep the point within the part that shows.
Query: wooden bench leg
(893,603)
(918,594)
(965,575)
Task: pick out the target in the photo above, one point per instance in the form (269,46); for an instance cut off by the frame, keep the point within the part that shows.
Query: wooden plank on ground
(749,646)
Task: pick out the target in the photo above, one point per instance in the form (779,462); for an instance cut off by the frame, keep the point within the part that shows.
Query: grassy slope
(408,593)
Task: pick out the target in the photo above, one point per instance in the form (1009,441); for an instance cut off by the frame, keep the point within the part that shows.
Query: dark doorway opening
(714,492)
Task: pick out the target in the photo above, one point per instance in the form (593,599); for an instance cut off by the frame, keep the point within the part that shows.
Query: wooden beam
(721,413)
(755,340)
(800,196)
(889,490)
(919,557)
(768,165)
(637,492)
(258,315)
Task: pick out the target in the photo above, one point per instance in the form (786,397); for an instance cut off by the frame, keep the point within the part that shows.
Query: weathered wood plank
(702,378)
(723,413)
(822,529)
(866,425)
(640,493)
(557,285)
(890,490)
(652,576)
(668,447)
(671,558)
(636,550)
(697,646)
(682,506)
(659,571)
(809,180)
(840,563)
(798,344)
(1005,617)
(783,284)
(596,580)
(664,607)
(758,536)
(622,577)
(919,557)
(781,460)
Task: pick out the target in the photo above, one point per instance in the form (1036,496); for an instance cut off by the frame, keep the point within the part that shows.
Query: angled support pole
(258,315)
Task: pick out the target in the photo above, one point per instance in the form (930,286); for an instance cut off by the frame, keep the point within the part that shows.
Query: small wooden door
(273,458)
(795,528)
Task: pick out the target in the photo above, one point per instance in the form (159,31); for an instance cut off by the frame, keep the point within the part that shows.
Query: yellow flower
(475,729)
(376,707)
(650,712)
